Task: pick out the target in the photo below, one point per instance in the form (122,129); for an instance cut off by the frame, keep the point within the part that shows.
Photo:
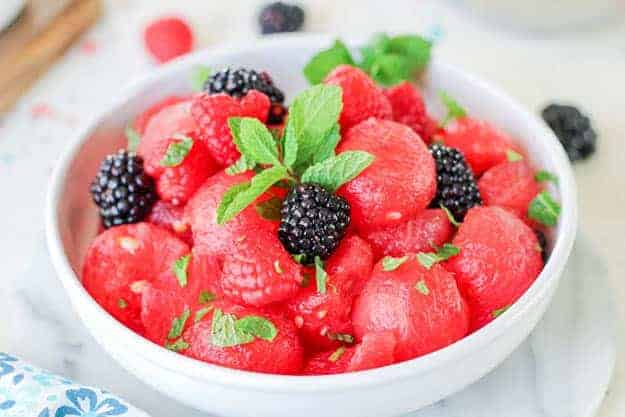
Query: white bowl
(71,223)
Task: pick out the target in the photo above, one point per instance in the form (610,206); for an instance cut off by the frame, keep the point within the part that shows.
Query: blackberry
(573,129)
(280,17)
(542,241)
(122,190)
(313,222)
(456,188)
(238,82)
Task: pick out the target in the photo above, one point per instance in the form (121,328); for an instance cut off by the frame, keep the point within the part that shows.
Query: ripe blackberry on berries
(573,129)
(313,222)
(238,82)
(456,187)
(281,17)
(122,190)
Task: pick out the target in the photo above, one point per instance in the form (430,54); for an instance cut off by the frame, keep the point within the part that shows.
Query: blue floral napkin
(26,391)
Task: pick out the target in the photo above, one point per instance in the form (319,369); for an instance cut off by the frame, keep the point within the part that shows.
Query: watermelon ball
(168,38)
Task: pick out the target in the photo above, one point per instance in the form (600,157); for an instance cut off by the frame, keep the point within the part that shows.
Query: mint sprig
(337,170)
(544,209)
(388,60)
(321,276)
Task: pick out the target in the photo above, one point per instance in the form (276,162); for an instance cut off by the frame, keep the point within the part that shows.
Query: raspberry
(141,122)
(178,183)
(456,188)
(282,355)
(399,183)
(361,96)
(170,217)
(212,112)
(321,317)
(121,263)
(409,109)
(482,145)
(313,222)
(422,307)
(499,259)
(258,271)
(168,38)
(510,185)
(573,129)
(375,350)
(281,17)
(122,191)
(201,214)
(418,234)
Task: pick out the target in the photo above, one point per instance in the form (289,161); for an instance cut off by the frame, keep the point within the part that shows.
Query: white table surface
(38,323)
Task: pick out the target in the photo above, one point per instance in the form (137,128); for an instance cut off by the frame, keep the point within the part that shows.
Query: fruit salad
(348,231)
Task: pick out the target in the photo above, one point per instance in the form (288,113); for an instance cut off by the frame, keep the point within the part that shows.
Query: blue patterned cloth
(26,391)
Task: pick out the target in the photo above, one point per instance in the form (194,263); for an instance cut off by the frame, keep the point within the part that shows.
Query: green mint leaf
(320,276)
(450,216)
(199,76)
(428,260)
(299,258)
(177,346)
(415,48)
(390,264)
(234,123)
(328,144)
(390,69)
(224,332)
(228,199)
(543,176)
(270,209)
(289,147)
(312,116)
(238,197)
(255,142)
(206,297)
(336,355)
(180,269)
(258,327)
(240,166)
(121,303)
(133,137)
(177,325)
(454,110)
(337,170)
(422,287)
(544,209)
(325,61)
(513,156)
(499,311)
(177,152)
(342,337)
(201,313)
(378,45)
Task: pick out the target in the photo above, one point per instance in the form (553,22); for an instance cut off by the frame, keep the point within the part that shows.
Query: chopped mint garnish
(299,258)
(499,311)
(228,331)
(342,337)
(325,61)
(199,315)
(180,269)
(390,264)
(199,77)
(320,275)
(206,297)
(544,209)
(422,287)
(513,156)
(177,325)
(336,355)
(133,138)
(177,346)
(543,176)
(450,216)
(442,254)
(454,109)
(270,209)
(121,303)
(177,151)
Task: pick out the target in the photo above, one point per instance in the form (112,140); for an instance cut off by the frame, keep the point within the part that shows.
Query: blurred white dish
(9,10)
(71,223)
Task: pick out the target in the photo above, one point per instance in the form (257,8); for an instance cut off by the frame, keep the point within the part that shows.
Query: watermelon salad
(346,231)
